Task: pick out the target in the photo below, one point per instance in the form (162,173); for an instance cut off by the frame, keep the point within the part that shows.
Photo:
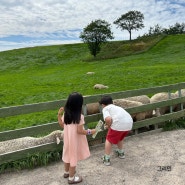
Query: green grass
(174,125)
(49,73)
(32,161)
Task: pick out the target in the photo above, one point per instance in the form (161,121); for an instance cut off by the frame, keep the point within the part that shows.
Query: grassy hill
(39,74)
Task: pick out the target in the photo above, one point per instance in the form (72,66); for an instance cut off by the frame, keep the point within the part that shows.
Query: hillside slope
(48,73)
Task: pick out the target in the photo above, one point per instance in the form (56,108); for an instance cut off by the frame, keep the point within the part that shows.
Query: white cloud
(45,20)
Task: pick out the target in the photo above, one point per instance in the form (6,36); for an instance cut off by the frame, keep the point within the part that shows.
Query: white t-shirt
(121,119)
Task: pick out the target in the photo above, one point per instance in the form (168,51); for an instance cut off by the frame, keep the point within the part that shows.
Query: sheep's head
(57,135)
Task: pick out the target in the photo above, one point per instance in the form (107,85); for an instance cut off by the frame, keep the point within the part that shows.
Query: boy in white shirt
(118,122)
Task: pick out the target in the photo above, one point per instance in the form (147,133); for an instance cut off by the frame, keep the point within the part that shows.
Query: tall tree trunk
(130,35)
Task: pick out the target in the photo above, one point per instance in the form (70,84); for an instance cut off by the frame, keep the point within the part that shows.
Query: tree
(96,33)
(156,30)
(176,29)
(133,20)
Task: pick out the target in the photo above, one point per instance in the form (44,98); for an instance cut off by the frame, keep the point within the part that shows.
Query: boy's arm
(108,122)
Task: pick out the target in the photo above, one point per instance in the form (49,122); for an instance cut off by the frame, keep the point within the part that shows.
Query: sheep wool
(93,108)
(162,97)
(26,142)
(178,107)
(143,99)
(90,73)
(128,104)
(100,86)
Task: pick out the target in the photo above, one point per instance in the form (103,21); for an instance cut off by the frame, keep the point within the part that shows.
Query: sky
(29,23)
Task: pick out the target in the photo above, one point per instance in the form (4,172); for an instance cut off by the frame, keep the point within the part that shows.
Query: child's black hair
(106,100)
(73,108)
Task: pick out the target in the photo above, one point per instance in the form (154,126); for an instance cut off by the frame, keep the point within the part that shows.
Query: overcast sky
(28,23)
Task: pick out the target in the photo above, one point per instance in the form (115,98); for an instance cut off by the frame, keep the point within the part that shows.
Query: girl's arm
(82,131)
(60,112)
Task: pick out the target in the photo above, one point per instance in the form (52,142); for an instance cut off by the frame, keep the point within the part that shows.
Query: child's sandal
(76,179)
(66,175)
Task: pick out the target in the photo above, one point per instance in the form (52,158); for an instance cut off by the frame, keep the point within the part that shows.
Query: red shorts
(114,136)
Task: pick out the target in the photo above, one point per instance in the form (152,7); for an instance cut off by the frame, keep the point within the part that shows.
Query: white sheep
(26,142)
(128,104)
(182,95)
(100,86)
(182,92)
(144,99)
(93,108)
(162,97)
(90,73)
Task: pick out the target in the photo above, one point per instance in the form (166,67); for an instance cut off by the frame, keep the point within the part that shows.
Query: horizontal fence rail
(55,105)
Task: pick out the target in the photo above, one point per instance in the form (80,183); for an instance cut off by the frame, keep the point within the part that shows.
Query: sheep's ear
(57,140)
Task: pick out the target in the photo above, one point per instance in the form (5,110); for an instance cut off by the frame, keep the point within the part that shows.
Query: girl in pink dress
(75,145)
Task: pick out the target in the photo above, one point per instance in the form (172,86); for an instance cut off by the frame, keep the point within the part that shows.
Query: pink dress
(75,146)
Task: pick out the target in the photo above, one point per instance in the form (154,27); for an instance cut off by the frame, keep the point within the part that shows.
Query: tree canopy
(177,28)
(132,20)
(96,33)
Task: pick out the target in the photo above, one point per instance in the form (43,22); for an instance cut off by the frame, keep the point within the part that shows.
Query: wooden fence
(54,105)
